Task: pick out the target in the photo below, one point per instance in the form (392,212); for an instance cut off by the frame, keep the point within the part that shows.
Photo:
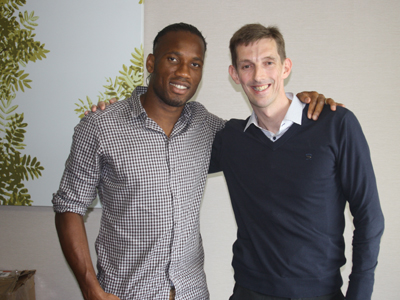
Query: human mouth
(261,88)
(178,86)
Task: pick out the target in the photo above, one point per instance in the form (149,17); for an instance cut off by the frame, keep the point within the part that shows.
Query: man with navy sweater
(289,179)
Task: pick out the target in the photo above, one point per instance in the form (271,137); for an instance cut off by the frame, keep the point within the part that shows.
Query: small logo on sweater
(308,156)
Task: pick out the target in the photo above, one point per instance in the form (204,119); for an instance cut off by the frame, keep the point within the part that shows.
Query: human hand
(100,105)
(111,297)
(94,291)
(317,102)
(103,296)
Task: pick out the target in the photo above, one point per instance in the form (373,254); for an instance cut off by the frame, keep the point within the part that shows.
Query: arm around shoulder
(317,102)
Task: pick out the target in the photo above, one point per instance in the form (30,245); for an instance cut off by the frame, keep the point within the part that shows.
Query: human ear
(150,63)
(234,74)
(287,67)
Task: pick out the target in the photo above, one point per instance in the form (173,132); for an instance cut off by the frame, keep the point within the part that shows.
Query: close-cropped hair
(251,33)
(178,27)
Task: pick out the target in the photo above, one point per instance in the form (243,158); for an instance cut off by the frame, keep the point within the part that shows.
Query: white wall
(344,49)
(88,44)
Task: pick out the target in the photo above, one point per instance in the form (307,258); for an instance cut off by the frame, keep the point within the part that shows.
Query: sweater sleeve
(359,187)
(215,162)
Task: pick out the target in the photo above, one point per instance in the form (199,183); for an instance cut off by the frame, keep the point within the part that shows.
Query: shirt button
(274,138)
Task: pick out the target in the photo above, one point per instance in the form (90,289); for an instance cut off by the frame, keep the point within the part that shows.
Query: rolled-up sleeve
(82,171)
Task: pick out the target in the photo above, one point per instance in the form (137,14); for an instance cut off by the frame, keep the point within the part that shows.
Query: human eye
(196,65)
(172,59)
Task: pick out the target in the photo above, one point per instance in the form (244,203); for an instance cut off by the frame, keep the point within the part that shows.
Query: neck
(164,115)
(271,117)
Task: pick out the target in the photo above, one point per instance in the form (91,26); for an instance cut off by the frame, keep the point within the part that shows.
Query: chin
(175,103)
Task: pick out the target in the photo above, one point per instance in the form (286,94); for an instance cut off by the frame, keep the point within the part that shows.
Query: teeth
(181,87)
(260,88)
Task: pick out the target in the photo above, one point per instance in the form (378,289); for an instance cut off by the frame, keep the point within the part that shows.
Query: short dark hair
(251,33)
(178,27)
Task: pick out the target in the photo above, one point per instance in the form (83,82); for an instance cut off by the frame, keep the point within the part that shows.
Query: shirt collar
(137,108)
(294,113)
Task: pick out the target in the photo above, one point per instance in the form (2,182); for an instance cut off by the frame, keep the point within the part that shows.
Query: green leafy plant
(15,168)
(17,48)
(122,86)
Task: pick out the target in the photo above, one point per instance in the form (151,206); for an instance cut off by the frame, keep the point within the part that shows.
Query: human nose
(258,73)
(183,71)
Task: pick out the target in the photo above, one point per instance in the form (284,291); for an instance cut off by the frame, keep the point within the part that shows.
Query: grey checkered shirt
(150,187)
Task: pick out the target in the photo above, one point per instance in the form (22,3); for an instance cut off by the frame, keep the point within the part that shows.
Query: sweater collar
(293,115)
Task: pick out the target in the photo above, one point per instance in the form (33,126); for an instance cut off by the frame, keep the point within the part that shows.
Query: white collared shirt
(293,115)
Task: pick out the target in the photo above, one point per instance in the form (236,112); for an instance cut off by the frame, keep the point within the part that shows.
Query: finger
(331,103)
(113,100)
(94,108)
(101,105)
(319,106)
(303,96)
(313,103)
(311,108)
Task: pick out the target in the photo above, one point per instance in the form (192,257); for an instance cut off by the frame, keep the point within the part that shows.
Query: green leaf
(12,109)
(21,86)
(9,102)
(24,76)
(19,73)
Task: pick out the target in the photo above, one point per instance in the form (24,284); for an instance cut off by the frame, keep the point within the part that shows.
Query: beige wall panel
(347,50)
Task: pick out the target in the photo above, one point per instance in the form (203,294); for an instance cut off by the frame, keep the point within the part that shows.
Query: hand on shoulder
(101,105)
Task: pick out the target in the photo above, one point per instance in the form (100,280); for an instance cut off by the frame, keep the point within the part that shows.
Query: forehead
(258,49)
(182,42)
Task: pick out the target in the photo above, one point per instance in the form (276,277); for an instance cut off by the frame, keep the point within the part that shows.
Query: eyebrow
(270,58)
(262,59)
(273,58)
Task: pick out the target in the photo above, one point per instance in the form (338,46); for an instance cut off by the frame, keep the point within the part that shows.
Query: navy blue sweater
(289,198)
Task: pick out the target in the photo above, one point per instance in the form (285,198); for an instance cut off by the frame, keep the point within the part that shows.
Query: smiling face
(176,67)
(261,73)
